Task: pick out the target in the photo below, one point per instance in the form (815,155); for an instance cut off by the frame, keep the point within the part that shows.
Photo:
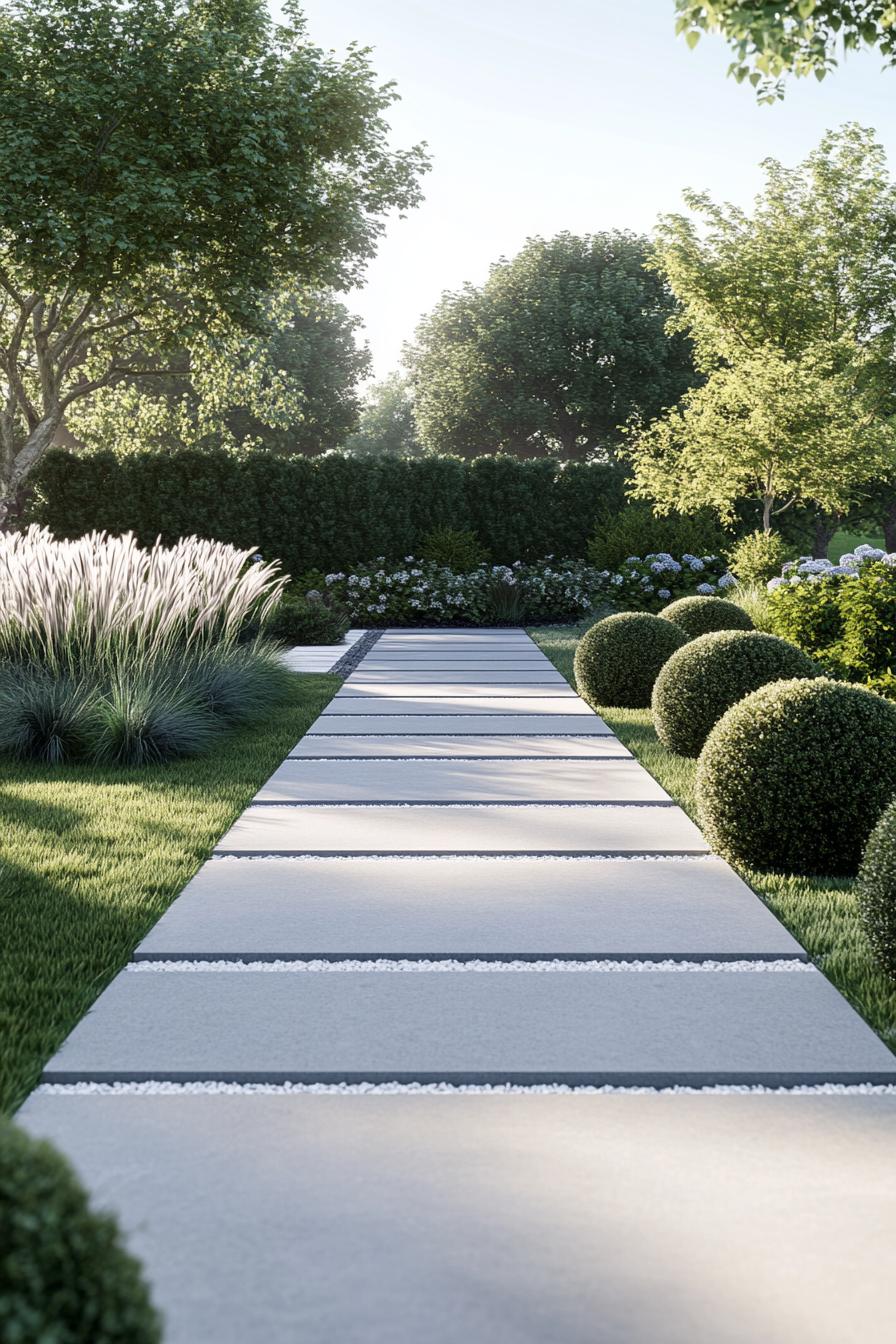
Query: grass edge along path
(90,858)
(820,913)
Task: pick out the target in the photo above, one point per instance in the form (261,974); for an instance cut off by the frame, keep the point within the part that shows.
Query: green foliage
(454,549)
(808,613)
(868,608)
(790,312)
(701,615)
(65,1275)
(636,530)
(192,160)
(763,780)
(713,672)
(877,890)
(646,583)
(797,37)
(754,599)
(759,556)
(308,618)
(553,354)
(289,386)
(386,423)
(618,660)
(330,512)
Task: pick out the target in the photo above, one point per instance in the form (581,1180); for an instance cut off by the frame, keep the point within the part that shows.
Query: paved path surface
(461,877)
(320,657)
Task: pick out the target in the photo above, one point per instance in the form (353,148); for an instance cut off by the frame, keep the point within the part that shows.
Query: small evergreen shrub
(876,891)
(808,613)
(454,549)
(618,659)
(636,530)
(759,556)
(309,618)
(701,615)
(65,1276)
(713,672)
(868,609)
(794,777)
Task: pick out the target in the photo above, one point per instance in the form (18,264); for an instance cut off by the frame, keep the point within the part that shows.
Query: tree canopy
(797,37)
(386,424)
(792,312)
(291,386)
(552,355)
(164,165)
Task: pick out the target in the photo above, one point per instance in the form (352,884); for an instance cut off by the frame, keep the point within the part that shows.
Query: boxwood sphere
(877,890)
(618,659)
(700,615)
(710,674)
(64,1274)
(794,777)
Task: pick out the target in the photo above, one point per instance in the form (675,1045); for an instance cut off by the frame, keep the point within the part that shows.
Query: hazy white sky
(543,115)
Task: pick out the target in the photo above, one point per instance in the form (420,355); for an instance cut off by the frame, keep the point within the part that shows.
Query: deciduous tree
(164,163)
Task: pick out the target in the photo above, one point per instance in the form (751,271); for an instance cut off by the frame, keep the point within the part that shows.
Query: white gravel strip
(449,1089)
(388,965)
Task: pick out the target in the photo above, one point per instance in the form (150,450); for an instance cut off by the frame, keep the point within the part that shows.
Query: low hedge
(65,1276)
(795,776)
(713,672)
(618,660)
(701,615)
(876,892)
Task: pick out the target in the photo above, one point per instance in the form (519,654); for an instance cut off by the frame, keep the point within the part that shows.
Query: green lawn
(820,913)
(841,542)
(89,860)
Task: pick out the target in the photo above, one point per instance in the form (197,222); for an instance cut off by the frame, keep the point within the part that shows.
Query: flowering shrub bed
(844,613)
(422,592)
(649,582)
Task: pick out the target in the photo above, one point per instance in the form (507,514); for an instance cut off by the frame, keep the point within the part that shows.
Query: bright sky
(544,115)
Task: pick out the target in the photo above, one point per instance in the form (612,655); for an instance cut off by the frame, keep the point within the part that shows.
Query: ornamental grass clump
(618,660)
(876,891)
(702,680)
(113,653)
(700,615)
(794,777)
(65,1275)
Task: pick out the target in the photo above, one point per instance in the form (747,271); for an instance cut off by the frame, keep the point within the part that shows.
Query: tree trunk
(825,526)
(890,527)
(767,502)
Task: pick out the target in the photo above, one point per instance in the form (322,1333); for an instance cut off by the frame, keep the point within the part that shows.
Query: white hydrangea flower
(727,581)
(663,593)
(775,583)
(705,589)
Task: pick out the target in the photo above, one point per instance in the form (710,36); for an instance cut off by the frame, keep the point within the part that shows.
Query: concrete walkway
(460,879)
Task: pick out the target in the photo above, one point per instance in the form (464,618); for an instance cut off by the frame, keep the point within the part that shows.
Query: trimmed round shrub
(618,660)
(65,1276)
(700,615)
(794,777)
(876,892)
(710,674)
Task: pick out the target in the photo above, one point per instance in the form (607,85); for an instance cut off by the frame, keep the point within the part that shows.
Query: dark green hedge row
(330,512)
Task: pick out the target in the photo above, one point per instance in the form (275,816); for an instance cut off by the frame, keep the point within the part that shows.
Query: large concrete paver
(593,746)
(460,704)
(491,828)
(396,690)
(508,908)
(650,1027)
(487,676)
(460,782)
(581,1219)
(518,724)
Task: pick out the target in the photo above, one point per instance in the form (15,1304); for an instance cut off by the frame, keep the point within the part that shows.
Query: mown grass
(843,541)
(90,858)
(820,913)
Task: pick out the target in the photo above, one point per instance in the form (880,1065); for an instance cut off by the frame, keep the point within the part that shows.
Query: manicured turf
(89,860)
(841,542)
(820,913)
